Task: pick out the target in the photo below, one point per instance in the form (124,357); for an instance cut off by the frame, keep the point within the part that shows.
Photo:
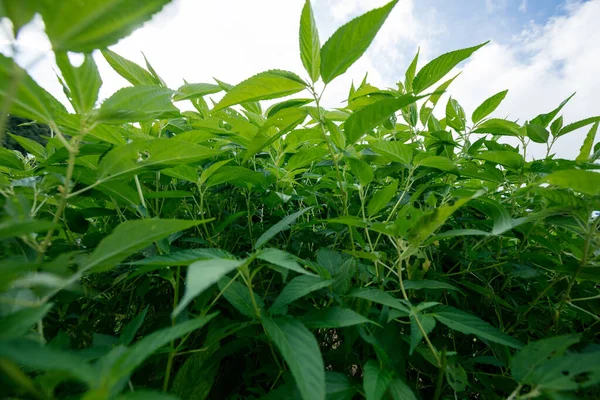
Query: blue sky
(541,50)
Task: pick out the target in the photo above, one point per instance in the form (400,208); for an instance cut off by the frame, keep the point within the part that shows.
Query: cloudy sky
(541,50)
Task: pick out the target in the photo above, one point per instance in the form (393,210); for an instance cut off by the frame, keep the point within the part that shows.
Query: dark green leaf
(203,274)
(301,353)
(587,182)
(470,324)
(137,104)
(298,287)
(130,237)
(280,226)
(129,70)
(375,380)
(333,317)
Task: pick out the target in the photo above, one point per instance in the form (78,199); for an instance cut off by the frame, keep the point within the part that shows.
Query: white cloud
(541,67)
(523,6)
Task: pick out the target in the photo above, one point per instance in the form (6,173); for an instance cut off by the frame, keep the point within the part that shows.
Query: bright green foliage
(350,41)
(385,249)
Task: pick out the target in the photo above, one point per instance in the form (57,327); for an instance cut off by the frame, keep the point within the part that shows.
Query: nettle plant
(235,252)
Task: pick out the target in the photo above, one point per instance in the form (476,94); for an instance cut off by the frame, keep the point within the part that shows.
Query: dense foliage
(379,250)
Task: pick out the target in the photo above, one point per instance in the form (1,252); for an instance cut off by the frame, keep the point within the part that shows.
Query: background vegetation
(378,250)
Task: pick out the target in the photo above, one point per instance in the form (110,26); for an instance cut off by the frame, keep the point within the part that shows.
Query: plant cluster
(382,250)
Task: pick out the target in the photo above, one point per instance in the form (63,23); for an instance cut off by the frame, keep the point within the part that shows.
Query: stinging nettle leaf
(301,353)
(137,104)
(130,159)
(264,86)
(191,91)
(375,380)
(280,226)
(381,198)
(129,70)
(488,106)
(310,45)
(440,66)
(373,115)
(586,147)
(350,41)
(28,99)
(130,237)
(470,324)
(586,182)
(83,26)
(203,274)
(83,82)
(298,287)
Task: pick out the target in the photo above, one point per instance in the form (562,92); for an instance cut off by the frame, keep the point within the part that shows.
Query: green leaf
(439,162)
(333,317)
(147,395)
(18,324)
(569,372)
(361,170)
(127,362)
(416,336)
(534,354)
(537,133)
(236,175)
(297,288)
(488,106)
(203,274)
(455,115)
(19,228)
(349,42)
(132,236)
(238,296)
(509,159)
(456,377)
(46,358)
(375,380)
(380,297)
(310,46)
(339,387)
(129,331)
(191,91)
(306,156)
(576,125)
(128,160)
(470,324)
(129,70)
(394,151)
(440,66)
(280,226)
(498,126)
(264,86)
(282,259)
(545,119)
(83,26)
(428,284)
(586,182)
(137,104)
(181,258)
(400,391)
(83,82)
(301,353)
(586,147)
(373,115)
(409,76)
(432,220)
(381,198)
(27,98)
(292,103)
(30,146)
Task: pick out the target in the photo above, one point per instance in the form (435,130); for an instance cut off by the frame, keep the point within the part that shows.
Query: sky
(540,50)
